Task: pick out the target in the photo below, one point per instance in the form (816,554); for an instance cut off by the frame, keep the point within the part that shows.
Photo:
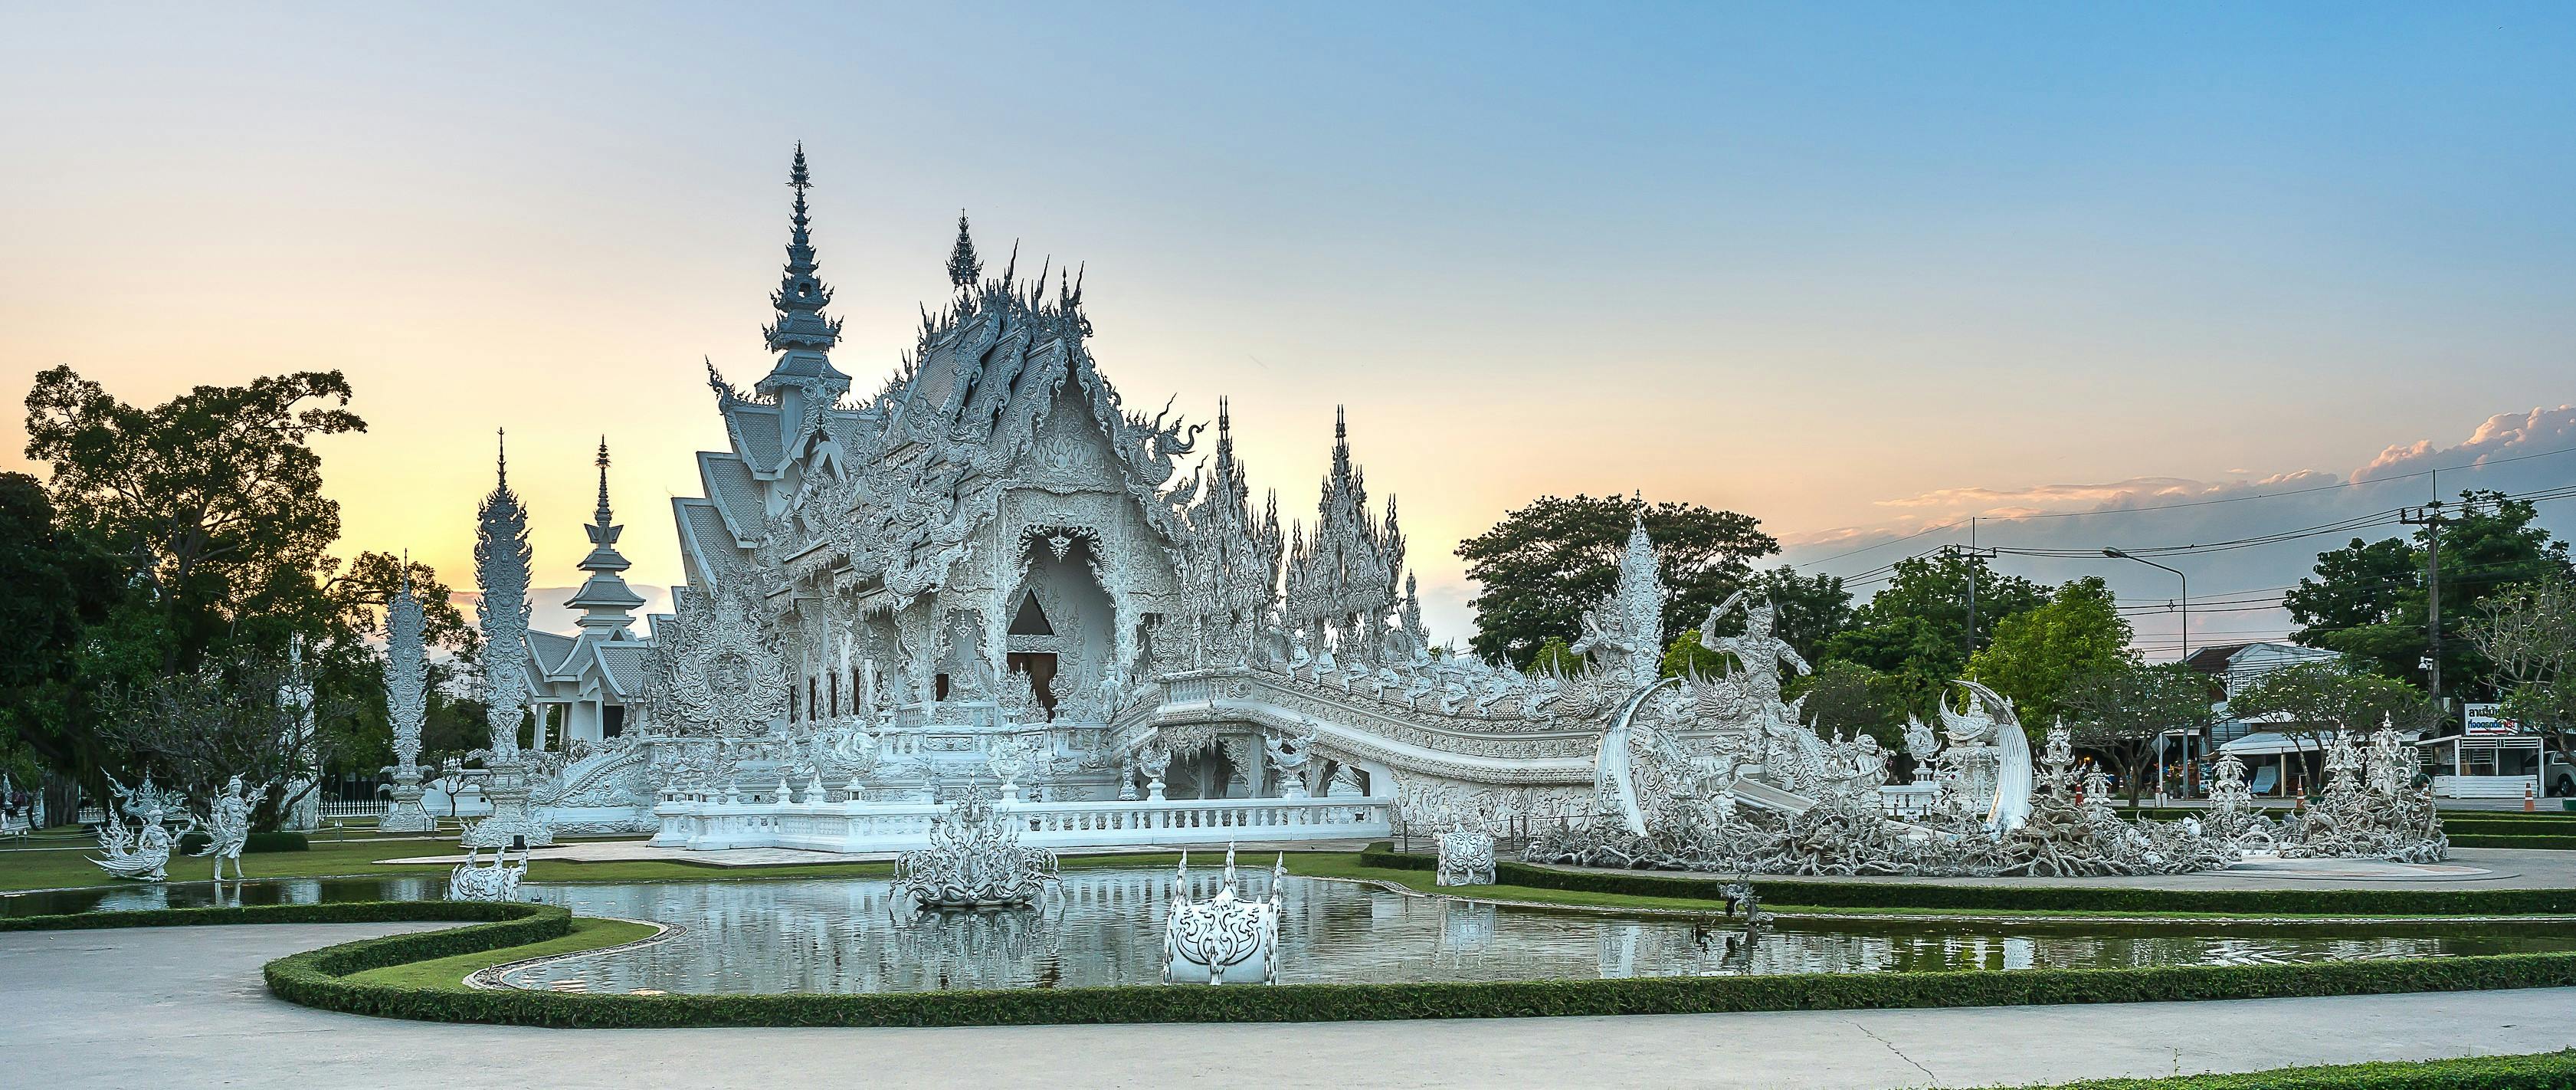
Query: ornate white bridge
(704,821)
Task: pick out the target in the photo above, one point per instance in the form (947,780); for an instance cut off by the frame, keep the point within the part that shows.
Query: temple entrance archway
(1060,624)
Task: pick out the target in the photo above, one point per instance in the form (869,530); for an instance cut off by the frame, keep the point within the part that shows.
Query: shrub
(319,979)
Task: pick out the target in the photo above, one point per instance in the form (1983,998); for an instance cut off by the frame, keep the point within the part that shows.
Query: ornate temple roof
(890,489)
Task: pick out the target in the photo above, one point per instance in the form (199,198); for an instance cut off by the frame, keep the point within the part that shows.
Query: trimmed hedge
(255,843)
(1828,894)
(318,979)
(2542,1071)
(2551,841)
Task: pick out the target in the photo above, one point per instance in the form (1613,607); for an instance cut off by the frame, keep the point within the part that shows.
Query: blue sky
(1832,265)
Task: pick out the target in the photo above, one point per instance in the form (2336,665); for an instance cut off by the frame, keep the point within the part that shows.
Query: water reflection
(266,891)
(1106,927)
(860,936)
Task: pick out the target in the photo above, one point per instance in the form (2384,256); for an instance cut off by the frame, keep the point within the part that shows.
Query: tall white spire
(501,570)
(606,602)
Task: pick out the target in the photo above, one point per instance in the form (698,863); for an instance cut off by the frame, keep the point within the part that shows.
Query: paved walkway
(185,1007)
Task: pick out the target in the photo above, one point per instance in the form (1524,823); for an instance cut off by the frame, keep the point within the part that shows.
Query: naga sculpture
(1224,937)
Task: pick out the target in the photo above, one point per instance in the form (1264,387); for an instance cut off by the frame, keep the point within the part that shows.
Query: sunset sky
(1855,270)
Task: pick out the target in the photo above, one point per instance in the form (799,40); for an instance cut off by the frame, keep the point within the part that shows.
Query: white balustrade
(702,820)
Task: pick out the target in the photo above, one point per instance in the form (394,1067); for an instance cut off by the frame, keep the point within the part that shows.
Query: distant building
(2235,665)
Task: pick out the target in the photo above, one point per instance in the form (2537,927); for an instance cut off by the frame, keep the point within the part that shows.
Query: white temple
(991,568)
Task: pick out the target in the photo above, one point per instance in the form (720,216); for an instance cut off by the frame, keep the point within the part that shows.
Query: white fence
(706,823)
(2485,787)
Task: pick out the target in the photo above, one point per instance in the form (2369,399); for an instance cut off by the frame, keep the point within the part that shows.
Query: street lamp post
(2186,593)
(2184,604)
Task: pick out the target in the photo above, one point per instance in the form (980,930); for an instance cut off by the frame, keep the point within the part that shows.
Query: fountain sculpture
(1224,937)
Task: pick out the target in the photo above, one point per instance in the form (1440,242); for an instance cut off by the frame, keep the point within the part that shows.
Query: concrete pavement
(185,1006)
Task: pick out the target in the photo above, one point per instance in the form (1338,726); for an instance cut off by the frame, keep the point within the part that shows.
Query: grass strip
(2539,1071)
(449,973)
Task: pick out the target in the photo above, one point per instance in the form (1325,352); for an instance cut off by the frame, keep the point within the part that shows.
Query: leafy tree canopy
(2368,599)
(2038,652)
(1544,564)
(2314,698)
(2529,633)
(53,585)
(1844,697)
(1916,629)
(214,498)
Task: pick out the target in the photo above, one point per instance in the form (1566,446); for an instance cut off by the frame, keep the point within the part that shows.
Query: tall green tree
(1543,565)
(2369,599)
(213,499)
(53,586)
(1916,629)
(2038,652)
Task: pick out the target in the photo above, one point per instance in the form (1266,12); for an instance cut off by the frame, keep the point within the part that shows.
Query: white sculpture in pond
(141,853)
(1467,857)
(975,861)
(1225,937)
(228,823)
(473,880)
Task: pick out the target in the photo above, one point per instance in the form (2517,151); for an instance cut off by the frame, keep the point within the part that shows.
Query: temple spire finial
(801,295)
(501,458)
(964,269)
(602,514)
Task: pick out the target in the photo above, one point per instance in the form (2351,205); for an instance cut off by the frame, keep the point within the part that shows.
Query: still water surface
(1106,927)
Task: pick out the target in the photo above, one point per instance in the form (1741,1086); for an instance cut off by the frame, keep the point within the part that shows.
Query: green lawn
(448,974)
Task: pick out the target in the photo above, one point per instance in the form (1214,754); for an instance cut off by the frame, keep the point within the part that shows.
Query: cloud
(2234,591)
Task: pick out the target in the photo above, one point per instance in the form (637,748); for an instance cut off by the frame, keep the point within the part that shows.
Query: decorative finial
(801,295)
(602,514)
(501,444)
(963,268)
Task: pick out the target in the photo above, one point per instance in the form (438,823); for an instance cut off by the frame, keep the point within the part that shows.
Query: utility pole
(1970,554)
(2429,517)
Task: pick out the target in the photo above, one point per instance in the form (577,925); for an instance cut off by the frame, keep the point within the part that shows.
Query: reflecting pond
(1107,928)
(859,935)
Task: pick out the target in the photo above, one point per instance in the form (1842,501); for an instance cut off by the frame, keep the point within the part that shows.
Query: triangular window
(1030,620)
